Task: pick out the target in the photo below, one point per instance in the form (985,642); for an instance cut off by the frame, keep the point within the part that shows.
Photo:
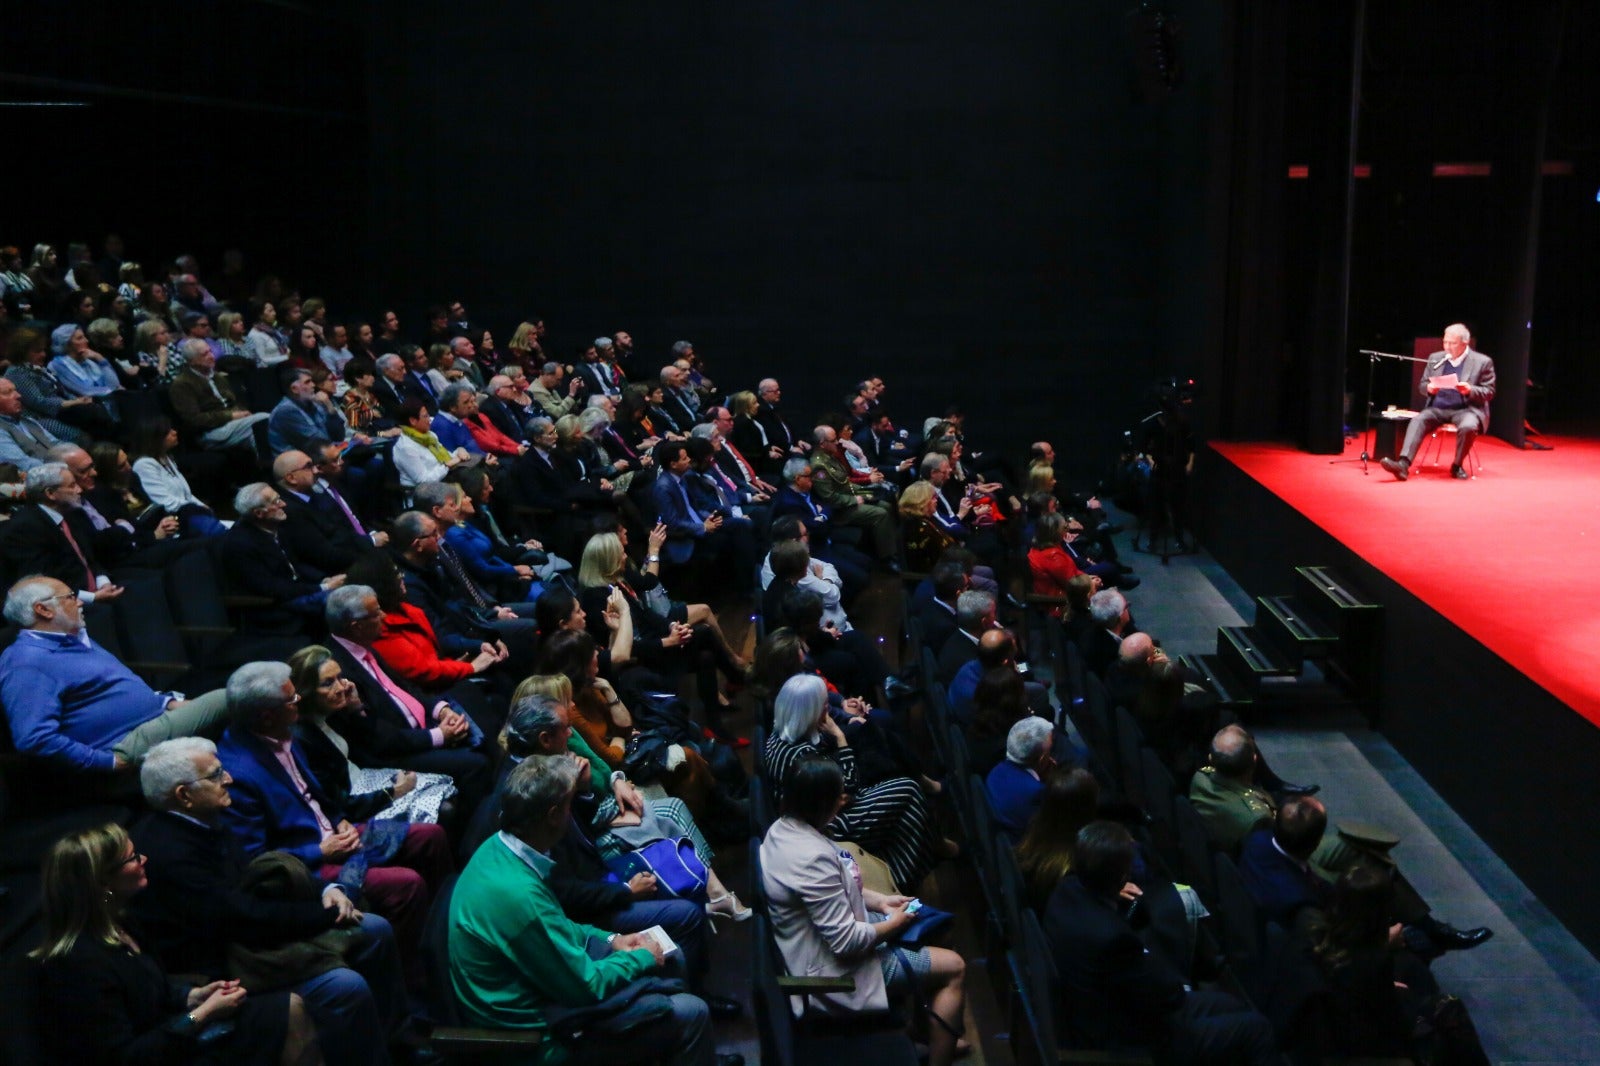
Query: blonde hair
(225,322)
(569,431)
(602,560)
(915,499)
(557,687)
(75,882)
(522,337)
(1041,477)
(742,403)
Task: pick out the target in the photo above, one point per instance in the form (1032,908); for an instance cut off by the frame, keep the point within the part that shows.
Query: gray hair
(43,478)
(539,783)
(932,462)
(602,344)
(668,373)
(253,688)
(345,606)
(531,715)
(251,498)
(822,434)
(452,395)
(20,598)
(798,707)
(385,361)
(409,526)
(1027,738)
(537,425)
(102,331)
(972,607)
(704,430)
(552,368)
(792,469)
(431,494)
(764,384)
(1106,606)
(592,420)
(168,765)
(63,452)
(193,348)
(680,349)
(454,341)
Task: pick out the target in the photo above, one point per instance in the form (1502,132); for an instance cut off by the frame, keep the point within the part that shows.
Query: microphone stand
(1366,432)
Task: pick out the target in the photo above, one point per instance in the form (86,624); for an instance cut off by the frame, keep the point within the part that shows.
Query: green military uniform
(831,484)
(1231,810)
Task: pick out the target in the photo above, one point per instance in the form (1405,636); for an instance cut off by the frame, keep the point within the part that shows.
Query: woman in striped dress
(889,818)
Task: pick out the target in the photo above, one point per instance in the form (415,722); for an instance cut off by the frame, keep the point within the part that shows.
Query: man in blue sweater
(70,701)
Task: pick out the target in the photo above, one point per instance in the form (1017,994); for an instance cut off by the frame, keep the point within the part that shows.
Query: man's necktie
(408,703)
(96,519)
(345,507)
(88,571)
(457,570)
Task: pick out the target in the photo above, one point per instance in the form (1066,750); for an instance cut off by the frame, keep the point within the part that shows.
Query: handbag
(926,924)
(679,871)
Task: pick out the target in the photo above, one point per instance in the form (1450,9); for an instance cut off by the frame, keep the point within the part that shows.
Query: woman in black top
(103,999)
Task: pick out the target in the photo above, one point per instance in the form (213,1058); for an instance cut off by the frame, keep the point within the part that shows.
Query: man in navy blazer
(1118,993)
(1016,783)
(691,535)
(279,806)
(1466,404)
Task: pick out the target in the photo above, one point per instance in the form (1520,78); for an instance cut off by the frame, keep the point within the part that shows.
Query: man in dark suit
(1116,992)
(975,613)
(258,564)
(194,908)
(277,805)
(317,535)
(779,433)
(1278,872)
(416,384)
(795,498)
(462,614)
(732,461)
(389,386)
(1016,783)
(703,538)
(675,398)
(503,413)
(887,448)
(599,377)
(1113,622)
(51,535)
(117,539)
(1465,404)
(938,614)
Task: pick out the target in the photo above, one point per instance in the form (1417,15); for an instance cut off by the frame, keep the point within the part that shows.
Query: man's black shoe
(1449,938)
(1289,788)
(1126,583)
(1458,473)
(895,688)
(1398,467)
(723,1008)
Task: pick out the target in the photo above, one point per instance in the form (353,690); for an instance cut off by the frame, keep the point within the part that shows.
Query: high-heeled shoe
(728,906)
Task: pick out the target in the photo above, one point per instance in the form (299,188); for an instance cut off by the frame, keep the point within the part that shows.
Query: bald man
(313,532)
(1465,404)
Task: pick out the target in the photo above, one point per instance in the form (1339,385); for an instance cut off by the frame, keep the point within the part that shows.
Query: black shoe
(1449,938)
(1398,467)
(1289,788)
(1110,527)
(1458,473)
(1126,583)
(723,1008)
(895,688)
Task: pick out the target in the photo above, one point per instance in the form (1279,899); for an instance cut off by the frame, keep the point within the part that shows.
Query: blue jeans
(681,1039)
(356,1008)
(683,919)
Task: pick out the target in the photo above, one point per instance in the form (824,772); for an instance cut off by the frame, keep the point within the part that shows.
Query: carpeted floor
(1511,556)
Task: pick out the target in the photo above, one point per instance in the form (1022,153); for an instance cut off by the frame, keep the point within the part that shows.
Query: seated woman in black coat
(103,999)
(851,660)
(662,643)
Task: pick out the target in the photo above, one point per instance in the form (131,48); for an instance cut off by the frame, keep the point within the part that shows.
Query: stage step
(1229,689)
(1297,633)
(1356,657)
(1245,651)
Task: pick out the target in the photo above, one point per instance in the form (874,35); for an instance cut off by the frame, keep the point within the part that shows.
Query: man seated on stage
(1466,405)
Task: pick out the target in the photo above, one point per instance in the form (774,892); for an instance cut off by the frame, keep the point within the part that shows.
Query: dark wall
(973,202)
(197,127)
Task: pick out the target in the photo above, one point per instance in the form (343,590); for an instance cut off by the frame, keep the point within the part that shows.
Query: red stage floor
(1512,557)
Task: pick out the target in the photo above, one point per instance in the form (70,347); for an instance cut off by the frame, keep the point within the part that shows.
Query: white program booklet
(659,935)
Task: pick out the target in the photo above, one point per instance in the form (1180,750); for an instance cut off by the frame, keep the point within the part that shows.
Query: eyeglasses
(132,860)
(214,776)
(62,596)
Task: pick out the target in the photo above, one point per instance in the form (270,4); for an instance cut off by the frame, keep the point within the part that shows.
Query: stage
(1491,663)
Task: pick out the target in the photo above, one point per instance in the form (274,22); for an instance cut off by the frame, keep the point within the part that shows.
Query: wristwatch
(618,775)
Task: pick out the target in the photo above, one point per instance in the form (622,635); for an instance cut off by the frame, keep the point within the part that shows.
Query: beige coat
(819,917)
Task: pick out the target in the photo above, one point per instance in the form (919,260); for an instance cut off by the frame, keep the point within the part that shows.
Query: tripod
(1366,432)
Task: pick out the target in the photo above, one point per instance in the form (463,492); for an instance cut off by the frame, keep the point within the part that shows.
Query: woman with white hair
(890,819)
(81,370)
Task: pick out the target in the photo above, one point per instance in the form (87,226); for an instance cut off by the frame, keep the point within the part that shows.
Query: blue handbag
(679,871)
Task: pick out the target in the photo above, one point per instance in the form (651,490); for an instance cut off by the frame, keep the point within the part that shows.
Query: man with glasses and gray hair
(259,564)
(194,908)
(74,704)
(51,535)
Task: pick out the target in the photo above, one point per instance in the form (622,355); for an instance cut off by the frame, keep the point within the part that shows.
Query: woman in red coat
(407,643)
(1052,567)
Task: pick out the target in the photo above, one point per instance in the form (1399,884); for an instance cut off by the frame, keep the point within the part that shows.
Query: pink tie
(88,570)
(400,695)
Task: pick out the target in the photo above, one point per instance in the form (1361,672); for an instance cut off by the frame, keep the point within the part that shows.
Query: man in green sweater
(513,951)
